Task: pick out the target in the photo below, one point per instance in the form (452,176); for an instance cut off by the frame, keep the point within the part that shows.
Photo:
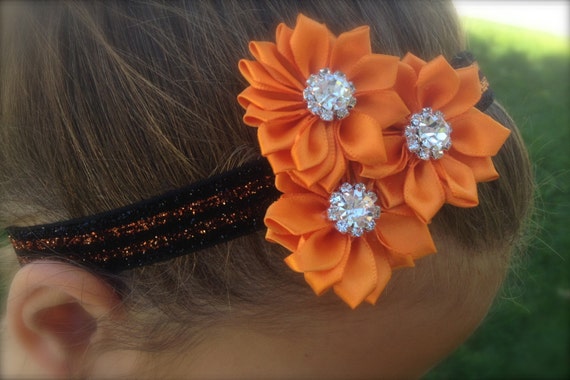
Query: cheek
(433,308)
(119,364)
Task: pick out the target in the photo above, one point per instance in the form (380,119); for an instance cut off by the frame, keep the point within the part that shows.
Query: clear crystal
(342,226)
(413,145)
(345,187)
(353,209)
(428,135)
(329,95)
(341,114)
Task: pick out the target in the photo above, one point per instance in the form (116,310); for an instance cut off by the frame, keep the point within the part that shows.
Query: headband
(363,151)
(216,210)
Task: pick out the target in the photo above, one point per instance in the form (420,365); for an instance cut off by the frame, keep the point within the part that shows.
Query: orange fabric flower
(327,110)
(294,139)
(357,268)
(426,184)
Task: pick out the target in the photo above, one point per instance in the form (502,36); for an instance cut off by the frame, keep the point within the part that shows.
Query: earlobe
(54,312)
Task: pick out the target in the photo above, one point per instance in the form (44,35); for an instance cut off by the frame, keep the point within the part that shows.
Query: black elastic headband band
(206,213)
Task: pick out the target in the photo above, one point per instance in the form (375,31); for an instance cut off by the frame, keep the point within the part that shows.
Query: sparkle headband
(363,151)
(209,212)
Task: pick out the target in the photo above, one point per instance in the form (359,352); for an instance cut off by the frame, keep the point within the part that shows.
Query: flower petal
(259,78)
(254,116)
(395,231)
(276,139)
(311,145)
(281,161)
(437,83)
(297,214)
(323,175)
(477,134)
(374,72)
(405,84)
(323,250)
(482,167)
(423,191)
(395,259)
(391,190)
(271,101)
(384,274)
(460,186)
(322,280)
(468,94)
(288,183)
(291,242)
(330,181)
(283,41)
(361,139)
(396,158)
(360,276)
(311,45)
(285,184)
(414,62)
(276,64)
(386,107)
(281,135)
(349,47)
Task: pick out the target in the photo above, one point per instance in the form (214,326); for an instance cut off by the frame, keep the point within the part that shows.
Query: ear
(54,312)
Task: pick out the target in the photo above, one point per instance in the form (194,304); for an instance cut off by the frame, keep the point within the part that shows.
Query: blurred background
(523,49)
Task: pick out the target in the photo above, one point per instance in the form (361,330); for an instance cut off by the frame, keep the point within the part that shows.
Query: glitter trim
(204,214)
(464,59)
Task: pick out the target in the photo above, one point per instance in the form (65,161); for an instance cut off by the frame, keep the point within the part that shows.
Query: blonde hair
(106,103)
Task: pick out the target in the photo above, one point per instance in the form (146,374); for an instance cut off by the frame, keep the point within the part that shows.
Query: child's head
(105,104)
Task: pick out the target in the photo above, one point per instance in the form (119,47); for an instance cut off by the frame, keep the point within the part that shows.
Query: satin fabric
(294,140)
(426,185)
(311,157)
(356,268)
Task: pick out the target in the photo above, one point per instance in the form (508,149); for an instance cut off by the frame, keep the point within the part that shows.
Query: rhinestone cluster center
(428,134)
(353,209)
(329,95)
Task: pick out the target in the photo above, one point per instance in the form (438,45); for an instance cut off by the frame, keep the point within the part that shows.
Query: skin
(425,313)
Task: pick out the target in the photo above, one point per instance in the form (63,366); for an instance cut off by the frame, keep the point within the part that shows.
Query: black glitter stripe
(216,210)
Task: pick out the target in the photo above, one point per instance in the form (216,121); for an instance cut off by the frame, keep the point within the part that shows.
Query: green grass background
(526,334)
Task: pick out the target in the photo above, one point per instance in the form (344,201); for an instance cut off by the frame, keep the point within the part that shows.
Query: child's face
(426,312)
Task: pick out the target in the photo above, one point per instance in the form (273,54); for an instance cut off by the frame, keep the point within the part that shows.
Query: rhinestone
(423,154)
(344,188)
(428,135)
(353,209)
(342,226)
(414,145)
(329,95)
(341,114)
